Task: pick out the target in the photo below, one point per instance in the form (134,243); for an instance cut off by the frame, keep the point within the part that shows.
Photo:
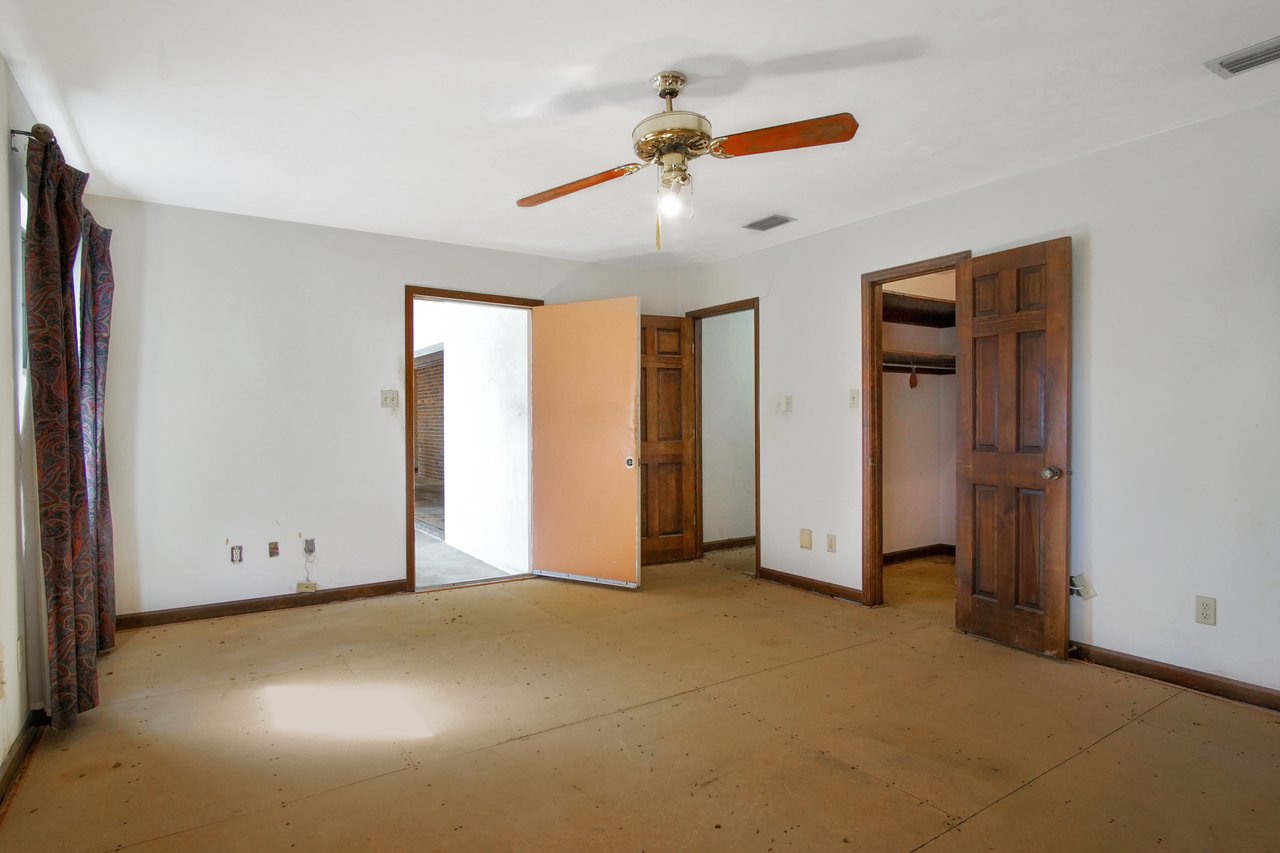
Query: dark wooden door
(667,504)
(1013,330)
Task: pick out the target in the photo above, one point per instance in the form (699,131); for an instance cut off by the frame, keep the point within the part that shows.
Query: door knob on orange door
(1051,473)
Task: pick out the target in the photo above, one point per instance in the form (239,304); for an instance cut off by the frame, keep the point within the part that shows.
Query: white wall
(486,426)
(728,427)
(919,443)
(247,357)
(1176,407)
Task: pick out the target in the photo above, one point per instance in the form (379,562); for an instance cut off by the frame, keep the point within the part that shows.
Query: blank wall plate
(1206,610)
(806,538)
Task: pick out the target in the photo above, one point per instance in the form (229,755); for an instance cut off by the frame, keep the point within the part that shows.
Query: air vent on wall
(769,222)
(1246,60)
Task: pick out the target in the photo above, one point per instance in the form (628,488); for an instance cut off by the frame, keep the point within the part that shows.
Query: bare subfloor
(708,711)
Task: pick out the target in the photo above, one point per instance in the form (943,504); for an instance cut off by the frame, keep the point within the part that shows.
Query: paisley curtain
(69,552)
(97,288)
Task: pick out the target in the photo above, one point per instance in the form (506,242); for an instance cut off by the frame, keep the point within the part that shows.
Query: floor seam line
(250,812)
(654,701)
(1046,772)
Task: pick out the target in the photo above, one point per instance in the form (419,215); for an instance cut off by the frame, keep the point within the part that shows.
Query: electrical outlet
(390,398)
(831,542)
(853,399)
(806,538)
(1206,610)
(1080,586)
(273,549)
(786,404)
(237,553)
(308,546)
(306,586)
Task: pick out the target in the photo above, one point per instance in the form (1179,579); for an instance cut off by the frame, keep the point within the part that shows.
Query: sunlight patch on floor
(356,713)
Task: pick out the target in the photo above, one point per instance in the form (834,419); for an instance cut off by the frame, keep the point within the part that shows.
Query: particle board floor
(707,711)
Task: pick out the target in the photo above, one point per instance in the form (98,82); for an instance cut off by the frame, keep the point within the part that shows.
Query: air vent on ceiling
(1246,60)
(769,222)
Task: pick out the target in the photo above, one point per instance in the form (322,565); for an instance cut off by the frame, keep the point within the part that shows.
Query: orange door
(1013,329)
(585,398)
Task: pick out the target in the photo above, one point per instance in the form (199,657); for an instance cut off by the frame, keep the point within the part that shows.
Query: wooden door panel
(1031,288)
(984,296)
(1031,391)
(986,534)
(668,531)
(1029,568)
(670,407)
(1013,359)
(986,393)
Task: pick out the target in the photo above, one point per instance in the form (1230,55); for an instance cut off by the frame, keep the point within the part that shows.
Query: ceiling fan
(670,139)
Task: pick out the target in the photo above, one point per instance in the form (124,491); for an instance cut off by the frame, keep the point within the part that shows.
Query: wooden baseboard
(920,553)
(15,760)
(1216,685)
(151,618)
(831,589)
(726,544)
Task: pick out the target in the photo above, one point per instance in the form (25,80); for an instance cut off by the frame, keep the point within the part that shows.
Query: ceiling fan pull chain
(657,239)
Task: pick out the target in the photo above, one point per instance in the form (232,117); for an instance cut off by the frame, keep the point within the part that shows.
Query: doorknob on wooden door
(1051,473)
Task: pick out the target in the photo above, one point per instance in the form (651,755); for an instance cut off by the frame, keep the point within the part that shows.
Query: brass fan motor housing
(675,130)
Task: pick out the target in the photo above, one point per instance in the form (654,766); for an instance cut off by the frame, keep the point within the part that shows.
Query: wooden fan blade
(574,186)
(798,134)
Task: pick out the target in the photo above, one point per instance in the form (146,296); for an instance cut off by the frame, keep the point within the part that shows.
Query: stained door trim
(414,292)
(873,413)
(752,305)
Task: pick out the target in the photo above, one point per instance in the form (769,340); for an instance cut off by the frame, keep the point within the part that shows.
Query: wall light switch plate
(786,404)
(273,549)
(390,398)
(853,399)
(1206,610)
(306,586)
(806,538)
(831,542)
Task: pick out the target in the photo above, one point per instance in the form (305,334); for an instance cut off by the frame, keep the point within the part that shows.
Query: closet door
(668,503)
(585,379)
(1013,330)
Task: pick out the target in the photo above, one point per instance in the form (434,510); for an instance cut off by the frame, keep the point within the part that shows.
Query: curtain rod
(39,132)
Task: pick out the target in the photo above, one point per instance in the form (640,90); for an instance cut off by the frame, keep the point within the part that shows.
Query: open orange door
(586,496)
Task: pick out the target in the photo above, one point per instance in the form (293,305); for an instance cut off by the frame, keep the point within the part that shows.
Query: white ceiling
(429,119)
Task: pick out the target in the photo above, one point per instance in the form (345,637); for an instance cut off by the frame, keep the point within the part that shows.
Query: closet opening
(911,404)
(727,393)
